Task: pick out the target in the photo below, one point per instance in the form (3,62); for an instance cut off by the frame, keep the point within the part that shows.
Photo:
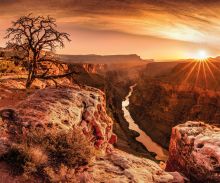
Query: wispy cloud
(185,20)
(191,20)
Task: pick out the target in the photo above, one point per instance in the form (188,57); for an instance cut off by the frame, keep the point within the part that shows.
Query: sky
(153,29)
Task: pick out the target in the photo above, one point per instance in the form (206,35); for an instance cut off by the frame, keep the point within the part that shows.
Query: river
(151,146)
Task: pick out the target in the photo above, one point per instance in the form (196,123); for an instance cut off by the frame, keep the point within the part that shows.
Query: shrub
(72,149)
(8,67)
(48,154)
(17,157)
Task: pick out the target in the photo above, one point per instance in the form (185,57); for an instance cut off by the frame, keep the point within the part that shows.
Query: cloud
(185,20)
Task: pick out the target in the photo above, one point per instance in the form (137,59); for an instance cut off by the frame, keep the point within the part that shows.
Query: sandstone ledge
(195,151)
(121,167)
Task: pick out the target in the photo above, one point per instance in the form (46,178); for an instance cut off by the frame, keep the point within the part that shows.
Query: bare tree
(34,38)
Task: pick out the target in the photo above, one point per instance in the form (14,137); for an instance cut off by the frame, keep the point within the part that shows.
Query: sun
(201,55)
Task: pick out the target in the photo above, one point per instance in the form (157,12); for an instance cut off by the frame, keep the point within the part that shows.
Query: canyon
(149,110)
(43,114)
(161,102)
(150,145)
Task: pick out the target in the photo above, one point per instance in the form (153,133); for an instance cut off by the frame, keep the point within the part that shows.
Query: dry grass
(53,156)
(9,67)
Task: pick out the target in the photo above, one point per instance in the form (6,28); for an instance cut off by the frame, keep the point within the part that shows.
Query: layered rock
(195,151)
(59,109)
(168,94)
(94,68)
(158,106)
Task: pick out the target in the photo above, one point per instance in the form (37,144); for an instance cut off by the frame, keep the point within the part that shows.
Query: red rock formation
(194,150)
(64,109)
(157,107)
(94,68)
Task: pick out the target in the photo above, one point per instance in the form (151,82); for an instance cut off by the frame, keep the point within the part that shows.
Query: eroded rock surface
(195,151)
(60,109)
(123,167)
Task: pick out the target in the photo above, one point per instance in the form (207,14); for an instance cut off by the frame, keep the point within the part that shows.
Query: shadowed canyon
(144,104)
(110,91)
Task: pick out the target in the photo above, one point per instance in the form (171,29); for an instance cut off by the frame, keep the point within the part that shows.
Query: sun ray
(214,66)
(181,71)
(197,75)
(210,71)
(204,74)
(217,81)
(190,72)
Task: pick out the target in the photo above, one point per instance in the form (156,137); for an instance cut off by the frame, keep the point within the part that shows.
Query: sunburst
(201,56)
(200,72)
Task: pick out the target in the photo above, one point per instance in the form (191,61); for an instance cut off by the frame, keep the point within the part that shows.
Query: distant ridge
(107,59)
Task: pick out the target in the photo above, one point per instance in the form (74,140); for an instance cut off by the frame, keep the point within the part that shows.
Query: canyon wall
(161,102)
(115,83)
(157,107)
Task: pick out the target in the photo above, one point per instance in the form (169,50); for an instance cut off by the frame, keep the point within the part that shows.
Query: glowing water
(143,138)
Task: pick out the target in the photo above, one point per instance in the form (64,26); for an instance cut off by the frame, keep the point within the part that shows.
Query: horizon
(134,54)
(144,59)
(160,30)
(109,91)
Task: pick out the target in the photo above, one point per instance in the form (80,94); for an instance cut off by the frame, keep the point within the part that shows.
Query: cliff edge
(65,135)
(195,151)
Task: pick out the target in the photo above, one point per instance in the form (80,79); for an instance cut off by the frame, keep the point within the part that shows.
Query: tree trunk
(31,75)
(29,82)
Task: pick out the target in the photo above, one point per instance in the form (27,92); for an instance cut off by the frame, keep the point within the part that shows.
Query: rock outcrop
(61,109)
(195,151)
(122,167)
(54,110)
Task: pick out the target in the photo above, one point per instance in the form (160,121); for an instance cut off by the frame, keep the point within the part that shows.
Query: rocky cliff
(61,110)
(158,104)
(115,83)
(64,135)
(54,127)
(194,150)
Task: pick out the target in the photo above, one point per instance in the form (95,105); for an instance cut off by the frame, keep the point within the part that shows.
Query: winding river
(151,146)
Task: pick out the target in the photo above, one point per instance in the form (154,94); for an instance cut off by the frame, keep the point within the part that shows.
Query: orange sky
(159,29)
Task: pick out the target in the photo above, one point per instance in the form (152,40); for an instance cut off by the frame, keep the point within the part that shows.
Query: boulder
(195,151)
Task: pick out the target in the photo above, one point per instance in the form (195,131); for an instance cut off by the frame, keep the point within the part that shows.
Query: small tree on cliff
(33,38)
